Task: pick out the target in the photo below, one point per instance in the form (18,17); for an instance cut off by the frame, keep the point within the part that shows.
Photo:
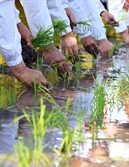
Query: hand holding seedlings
(44,41)
(68,41)
(89,25)
(109,18)
(69,44)
(56,59)
(25,34)
(10,47)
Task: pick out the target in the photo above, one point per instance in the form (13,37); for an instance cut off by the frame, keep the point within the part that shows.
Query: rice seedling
(80,117)
(59,120)
(68,139)
(1,96)
(8,96)
(84,23)
(2,68)
(108,26)
(59,26)
(42,89)
(56,74)
(39,63)
(34,154)
(97,110)
(123,16)
(43,38)
(77,69)
(114,48)
(11,95)
(124,87)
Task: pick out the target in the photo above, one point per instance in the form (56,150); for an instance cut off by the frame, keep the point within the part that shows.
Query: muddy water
(112,151)
(98,153)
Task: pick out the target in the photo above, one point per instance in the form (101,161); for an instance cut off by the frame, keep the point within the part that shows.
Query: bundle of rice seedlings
(59,26)
(43,38)
(123,16)
(85,24)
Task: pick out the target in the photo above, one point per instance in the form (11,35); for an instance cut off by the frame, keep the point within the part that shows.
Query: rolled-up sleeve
(100,6)
(80,15)
(57,11)
(97,26)
(10,46)
(37,15)
(116,8)
(16,12)
(65,3)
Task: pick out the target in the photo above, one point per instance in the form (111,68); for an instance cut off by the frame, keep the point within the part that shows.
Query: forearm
(115,8)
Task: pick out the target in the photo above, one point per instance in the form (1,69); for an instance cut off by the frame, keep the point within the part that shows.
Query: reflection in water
(90,153)
(8,132)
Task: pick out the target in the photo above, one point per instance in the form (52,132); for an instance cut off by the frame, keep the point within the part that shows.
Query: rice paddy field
(81,120)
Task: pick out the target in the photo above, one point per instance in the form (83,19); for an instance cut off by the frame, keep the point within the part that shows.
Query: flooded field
(81,120)
(88,118)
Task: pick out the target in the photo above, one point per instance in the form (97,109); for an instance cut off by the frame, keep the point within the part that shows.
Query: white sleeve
(80,15)
(10,46)
(57,11)
(115,8)
(100,6)
(65,3)
(37,15)
(97,26)
(16,12)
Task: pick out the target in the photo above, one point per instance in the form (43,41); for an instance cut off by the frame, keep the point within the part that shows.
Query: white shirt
(10,46)
(57,11)
(116,8)
(37,15)
(100,6)
(85,10)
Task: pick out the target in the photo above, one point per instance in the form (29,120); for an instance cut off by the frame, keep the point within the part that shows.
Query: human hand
(110,19)
(90,45)
(56,59)
(105,47)
(125,36)
(69,45)
(27,76)
(70,15)
(25,34)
